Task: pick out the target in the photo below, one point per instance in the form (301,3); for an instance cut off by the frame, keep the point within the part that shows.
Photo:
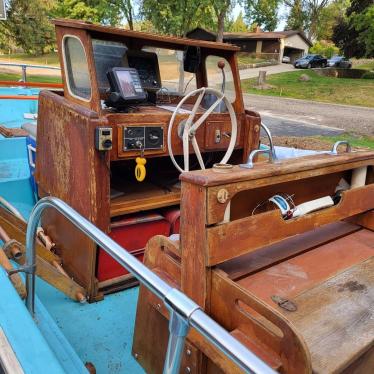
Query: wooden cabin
(120,103)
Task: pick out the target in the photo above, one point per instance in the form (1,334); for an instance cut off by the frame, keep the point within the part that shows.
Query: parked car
(311,61)
(339,62)
(286,59)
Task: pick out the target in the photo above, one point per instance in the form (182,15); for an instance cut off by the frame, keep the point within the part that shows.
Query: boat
(148,230)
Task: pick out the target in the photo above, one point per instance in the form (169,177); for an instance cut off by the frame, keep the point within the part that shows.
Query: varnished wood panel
(161,40)
(242,236)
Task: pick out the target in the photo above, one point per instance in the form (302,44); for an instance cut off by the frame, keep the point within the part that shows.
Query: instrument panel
(142,138)
(134,138)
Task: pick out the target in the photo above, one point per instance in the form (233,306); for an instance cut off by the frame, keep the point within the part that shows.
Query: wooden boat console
(298,292)
(87,149)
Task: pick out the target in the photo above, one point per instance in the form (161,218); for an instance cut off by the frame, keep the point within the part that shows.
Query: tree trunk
(221,25)
(261,80)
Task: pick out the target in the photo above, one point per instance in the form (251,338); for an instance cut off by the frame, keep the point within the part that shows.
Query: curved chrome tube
(184,312)
(334,150)
(271,144)
(253,154)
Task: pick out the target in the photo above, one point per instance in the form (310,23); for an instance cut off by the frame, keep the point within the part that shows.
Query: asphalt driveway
(292,117)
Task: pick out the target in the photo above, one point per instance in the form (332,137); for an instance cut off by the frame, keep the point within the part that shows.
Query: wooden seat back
(209,239)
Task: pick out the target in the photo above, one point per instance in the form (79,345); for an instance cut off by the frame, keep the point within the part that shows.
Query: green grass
(30,78)
(326,89)
(354,140)
(368,66)
(47,59)
(246,60)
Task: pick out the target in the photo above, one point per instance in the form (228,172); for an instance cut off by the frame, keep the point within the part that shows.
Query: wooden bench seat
(336,318)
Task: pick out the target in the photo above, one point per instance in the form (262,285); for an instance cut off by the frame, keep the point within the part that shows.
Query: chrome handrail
(253,154)
(271,143)
(184,312)
(334,150)
(25,66)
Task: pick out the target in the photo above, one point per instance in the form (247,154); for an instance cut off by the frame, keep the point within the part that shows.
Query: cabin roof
(146,38)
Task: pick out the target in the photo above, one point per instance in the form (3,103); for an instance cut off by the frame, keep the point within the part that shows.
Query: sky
(281,24)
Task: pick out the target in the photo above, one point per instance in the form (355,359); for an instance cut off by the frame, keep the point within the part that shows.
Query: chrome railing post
(181,309)
(24,77)
(178,330)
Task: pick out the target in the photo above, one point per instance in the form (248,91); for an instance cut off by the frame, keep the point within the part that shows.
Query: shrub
(368,75)
(324,48)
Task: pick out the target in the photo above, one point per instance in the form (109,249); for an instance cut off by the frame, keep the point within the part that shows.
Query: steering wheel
(190,127)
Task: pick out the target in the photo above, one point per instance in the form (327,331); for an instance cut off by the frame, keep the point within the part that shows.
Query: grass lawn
(319,88)
(354,140)
(30,78)
(47,59)
(368,66)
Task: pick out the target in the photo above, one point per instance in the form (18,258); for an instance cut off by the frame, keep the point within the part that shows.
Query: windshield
(107,55)
(335,58)
(308,57)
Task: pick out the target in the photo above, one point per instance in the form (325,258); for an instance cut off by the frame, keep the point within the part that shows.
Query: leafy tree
(110,12)
(177,17)
(324,48)
(311,11)
(329,18)
(347,32)
(28,25)
(128,12)
(297,17)
(238,25)
(262,12)
(78,9)
(364,25)
(221,8)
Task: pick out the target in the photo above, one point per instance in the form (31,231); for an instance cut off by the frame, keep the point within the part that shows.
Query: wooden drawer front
(217,135)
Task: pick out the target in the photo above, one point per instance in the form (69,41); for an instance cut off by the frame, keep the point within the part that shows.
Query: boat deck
(100,333)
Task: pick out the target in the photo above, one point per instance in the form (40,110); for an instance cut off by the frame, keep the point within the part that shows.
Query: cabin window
(107,55)
(173,77)
(214,75)
(76,68)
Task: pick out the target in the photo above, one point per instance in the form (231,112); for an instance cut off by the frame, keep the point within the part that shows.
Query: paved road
(274,69)
(291,117)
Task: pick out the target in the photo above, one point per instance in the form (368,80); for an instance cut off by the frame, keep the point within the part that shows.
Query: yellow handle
(140,170)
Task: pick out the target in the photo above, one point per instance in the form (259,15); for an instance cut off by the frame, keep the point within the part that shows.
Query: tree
(311,9)
(325,48)
(347,33)
(364,25)
(177,17)
(238,25)
(329,18)
(221,8)
(28,25)
(76,9)
(128,12)
(297,17)
(262,12)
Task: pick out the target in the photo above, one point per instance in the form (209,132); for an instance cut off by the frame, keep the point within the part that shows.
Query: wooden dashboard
(213,135)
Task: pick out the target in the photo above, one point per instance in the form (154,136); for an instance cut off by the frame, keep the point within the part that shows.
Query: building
(272,45)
